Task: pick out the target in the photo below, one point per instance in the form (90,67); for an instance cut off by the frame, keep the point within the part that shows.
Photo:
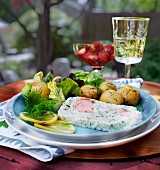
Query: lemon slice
(47,119)
(59,126)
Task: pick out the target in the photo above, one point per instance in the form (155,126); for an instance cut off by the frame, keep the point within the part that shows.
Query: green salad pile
(48,93)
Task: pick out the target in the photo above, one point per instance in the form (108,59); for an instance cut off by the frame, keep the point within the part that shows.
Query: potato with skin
(106,86)
(130,94)
(41,88)
(111,96)
(89,92)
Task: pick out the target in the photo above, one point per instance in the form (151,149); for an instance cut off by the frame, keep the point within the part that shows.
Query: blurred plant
(63,38)
(148,68)
(4,15)
(129,5)
(21,68)
(39,32)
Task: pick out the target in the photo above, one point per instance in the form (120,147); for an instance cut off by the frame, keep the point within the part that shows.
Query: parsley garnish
(4,124)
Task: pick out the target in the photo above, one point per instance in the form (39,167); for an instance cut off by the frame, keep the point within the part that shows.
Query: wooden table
(143,153)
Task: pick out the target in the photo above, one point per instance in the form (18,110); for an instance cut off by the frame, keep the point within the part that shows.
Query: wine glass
(129,35)
(95,54)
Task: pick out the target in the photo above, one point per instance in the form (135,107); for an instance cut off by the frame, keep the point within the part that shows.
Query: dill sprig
(139,107)
(36,105)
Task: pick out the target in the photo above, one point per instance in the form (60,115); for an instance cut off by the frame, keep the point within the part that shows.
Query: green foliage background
(149,68)
(63,38)
(129,5)
(7,17)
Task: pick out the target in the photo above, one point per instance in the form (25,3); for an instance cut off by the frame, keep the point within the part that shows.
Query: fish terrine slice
(98,115)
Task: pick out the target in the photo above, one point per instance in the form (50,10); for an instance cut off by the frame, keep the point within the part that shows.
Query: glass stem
(97,68)
(127,70)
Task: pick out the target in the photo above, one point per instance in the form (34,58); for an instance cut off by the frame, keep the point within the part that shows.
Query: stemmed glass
(94,54)
(129,35)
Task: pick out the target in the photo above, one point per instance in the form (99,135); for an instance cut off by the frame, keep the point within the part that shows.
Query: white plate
(151,125)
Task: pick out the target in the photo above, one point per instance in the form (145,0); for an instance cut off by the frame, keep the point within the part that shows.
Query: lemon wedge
(48,118)
(59,126)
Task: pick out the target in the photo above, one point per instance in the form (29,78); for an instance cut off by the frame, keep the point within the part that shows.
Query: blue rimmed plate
(82,135)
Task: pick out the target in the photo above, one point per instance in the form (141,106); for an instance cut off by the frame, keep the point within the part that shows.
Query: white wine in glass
(129,35)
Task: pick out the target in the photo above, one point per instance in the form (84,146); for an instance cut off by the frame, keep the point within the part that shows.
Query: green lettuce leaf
(49,77)
(95,79)
(55,91)
(82,75)
(26,90)
(38,76)
(90,78)
(69,87)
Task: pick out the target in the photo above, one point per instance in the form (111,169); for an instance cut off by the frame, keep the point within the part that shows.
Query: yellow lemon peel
(59,126)
(48,118)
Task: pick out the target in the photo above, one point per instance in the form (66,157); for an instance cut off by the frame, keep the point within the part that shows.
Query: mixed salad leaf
(69,87)
(26,91)
(49,93)
(90,78)
(55,92)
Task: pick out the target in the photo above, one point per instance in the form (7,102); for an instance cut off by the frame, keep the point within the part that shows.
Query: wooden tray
(148,145)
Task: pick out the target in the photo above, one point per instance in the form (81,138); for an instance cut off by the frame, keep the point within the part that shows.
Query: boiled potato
(130,94)
(89,92)
(106,86)
(41,88)
(111,96)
